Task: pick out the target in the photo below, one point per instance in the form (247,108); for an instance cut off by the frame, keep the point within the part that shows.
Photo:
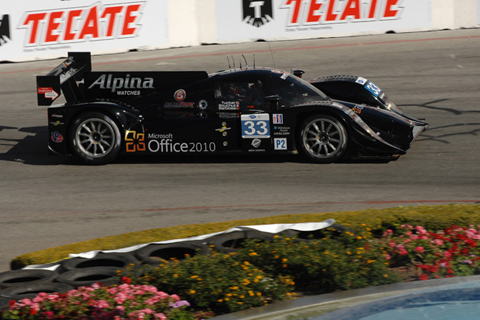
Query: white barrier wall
(49,28)
(46,29)
(287,19)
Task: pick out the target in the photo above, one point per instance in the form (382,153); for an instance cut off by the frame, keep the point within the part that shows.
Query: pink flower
(102,304)
(160,316)
(120,309)
(419,249)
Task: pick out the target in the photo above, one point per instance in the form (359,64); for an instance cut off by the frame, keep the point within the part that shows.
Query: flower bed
(264,272)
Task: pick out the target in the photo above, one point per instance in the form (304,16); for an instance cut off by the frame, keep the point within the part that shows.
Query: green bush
(219,282)
(336,262)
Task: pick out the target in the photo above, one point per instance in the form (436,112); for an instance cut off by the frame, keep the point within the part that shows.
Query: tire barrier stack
(102,267)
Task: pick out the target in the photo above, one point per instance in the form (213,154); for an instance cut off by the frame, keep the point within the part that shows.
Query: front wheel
(95,138)
(322,139)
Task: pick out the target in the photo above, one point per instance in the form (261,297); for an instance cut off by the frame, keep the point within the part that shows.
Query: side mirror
(298,72)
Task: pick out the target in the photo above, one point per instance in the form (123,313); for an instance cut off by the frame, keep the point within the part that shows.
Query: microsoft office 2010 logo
(4,29)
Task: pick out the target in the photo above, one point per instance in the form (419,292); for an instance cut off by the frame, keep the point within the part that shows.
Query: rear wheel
(95,138)
(322,139)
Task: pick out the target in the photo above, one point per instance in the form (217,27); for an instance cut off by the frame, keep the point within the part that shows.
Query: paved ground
(47,201)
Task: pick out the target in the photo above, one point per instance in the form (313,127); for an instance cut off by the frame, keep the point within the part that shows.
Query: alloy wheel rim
(95,137)
(323,138)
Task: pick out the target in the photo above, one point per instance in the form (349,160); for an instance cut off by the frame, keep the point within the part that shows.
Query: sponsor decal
(229,105)
(109,81)
(224,128)
(56,123)
(256,143)
(164,142)
(134,141)
(4,29)
(257,13)
(168,145)
(94,22)
(203,104)
(277,118)
(357,109)
(361,81)
(179,105)
(56,137)
(48,92)
(316,12)
(280,143)
(255,125)
(180,95)
(228,115)
(281,131)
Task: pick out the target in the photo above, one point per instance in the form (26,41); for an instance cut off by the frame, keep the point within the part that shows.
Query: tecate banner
(294,19)
(49,28)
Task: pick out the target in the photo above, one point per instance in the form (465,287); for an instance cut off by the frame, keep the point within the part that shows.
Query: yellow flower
(385,275)
(193,277)
(370,261)
(246,282)
(192,291)
(259,294)
(252,254)
(250,293)
(229,294)
(220,300)
(284,260)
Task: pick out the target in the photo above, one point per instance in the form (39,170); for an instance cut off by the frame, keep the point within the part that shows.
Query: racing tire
(322,139)
(153,254)
(232,241)
(26,277)
(32,290)
(116,260)
(107,276)
(95,138)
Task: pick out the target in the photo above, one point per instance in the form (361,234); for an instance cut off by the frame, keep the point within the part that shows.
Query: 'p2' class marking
(280,143)
(370,86)
(255,126)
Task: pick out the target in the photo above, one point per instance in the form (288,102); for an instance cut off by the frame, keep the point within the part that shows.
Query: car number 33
(255,126)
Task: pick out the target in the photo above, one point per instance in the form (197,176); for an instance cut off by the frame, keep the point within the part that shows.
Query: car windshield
(293,90)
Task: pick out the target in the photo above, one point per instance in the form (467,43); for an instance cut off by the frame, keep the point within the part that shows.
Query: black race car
(253,110)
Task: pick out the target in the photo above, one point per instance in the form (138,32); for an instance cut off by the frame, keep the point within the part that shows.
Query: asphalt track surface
(47,201)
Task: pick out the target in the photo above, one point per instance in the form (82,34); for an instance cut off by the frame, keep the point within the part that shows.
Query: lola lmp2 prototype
(250,109)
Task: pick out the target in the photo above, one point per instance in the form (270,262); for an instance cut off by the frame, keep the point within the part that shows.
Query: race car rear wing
(63,79)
